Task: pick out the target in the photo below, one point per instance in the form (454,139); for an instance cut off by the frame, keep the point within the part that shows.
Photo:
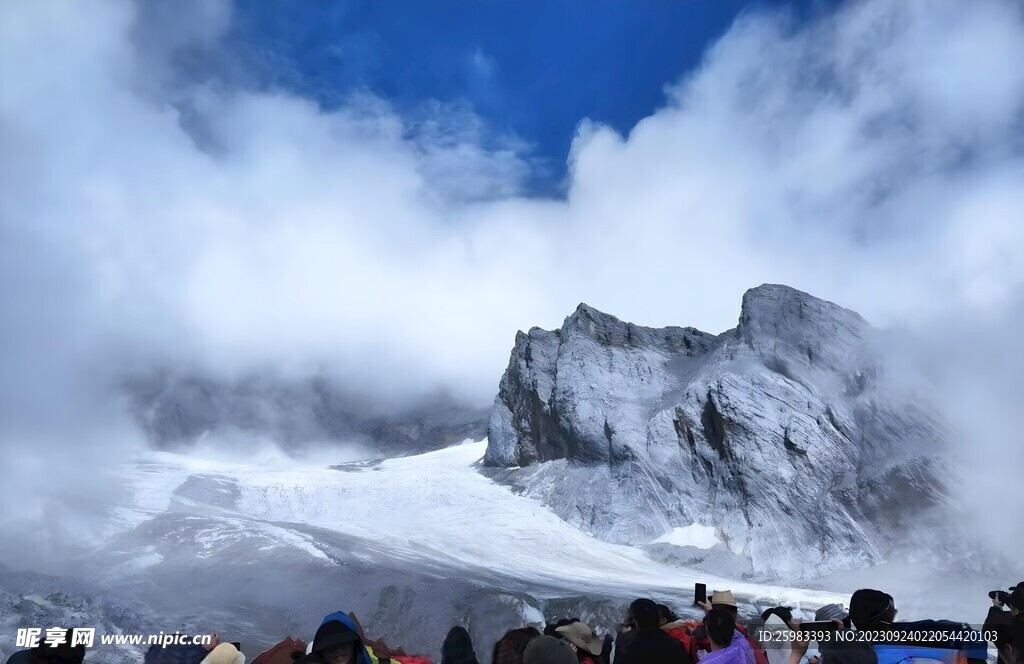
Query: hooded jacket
(699,642)
(362,656)
(737,652)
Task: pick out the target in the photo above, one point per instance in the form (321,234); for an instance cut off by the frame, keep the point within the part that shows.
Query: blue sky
(530,69)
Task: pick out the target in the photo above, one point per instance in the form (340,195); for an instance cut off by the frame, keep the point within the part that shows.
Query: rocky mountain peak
(604,328)
(788,308)
(802,336)
(754,432)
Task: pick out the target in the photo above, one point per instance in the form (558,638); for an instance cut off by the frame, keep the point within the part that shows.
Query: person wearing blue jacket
(337,641)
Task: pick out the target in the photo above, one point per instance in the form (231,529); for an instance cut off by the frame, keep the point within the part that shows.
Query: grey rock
(38,601)
(715,560)
(782,433)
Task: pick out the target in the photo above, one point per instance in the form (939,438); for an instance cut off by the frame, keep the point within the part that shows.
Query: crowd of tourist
(866,633)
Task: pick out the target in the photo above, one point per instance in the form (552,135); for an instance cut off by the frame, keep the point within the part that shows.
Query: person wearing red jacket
(674,627)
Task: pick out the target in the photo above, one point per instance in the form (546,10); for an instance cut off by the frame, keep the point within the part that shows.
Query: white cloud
(869,159)
(872,158)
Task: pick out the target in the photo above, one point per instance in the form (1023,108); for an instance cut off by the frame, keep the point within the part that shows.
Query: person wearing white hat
(585,643)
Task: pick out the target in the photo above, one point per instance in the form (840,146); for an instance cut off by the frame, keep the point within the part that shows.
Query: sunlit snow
(434,507)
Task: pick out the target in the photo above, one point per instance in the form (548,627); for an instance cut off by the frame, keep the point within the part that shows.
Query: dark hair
(666,615)
(645,613)
(509,648)
(720,625)
(869,607)
(458,647)
(606,648)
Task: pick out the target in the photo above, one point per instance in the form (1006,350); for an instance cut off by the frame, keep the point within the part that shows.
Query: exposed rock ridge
(779,433)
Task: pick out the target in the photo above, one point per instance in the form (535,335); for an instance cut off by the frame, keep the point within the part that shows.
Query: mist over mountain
(179,411)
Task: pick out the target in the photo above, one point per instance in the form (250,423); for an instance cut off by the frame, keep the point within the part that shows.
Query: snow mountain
(783,434)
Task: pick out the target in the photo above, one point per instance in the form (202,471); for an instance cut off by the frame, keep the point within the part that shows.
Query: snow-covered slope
(435,508)
(413,545)
(782,434)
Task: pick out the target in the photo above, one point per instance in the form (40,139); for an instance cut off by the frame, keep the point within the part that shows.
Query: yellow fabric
(373,658)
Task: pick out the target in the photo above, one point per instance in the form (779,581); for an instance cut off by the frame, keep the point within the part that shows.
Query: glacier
(411,544)
(434,507)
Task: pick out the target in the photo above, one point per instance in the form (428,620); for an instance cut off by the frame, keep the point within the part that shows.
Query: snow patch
(532,615)
(702,537)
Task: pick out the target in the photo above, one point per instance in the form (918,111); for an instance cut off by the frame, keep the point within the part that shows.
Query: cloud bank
(153,214)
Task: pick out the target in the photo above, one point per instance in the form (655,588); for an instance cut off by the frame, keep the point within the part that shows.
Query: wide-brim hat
(582,637)
(784,613)
(723,598)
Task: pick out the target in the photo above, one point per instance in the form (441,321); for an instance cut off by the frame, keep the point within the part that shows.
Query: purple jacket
(737,652)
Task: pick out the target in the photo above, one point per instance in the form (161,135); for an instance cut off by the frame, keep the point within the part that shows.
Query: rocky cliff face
(781,433)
